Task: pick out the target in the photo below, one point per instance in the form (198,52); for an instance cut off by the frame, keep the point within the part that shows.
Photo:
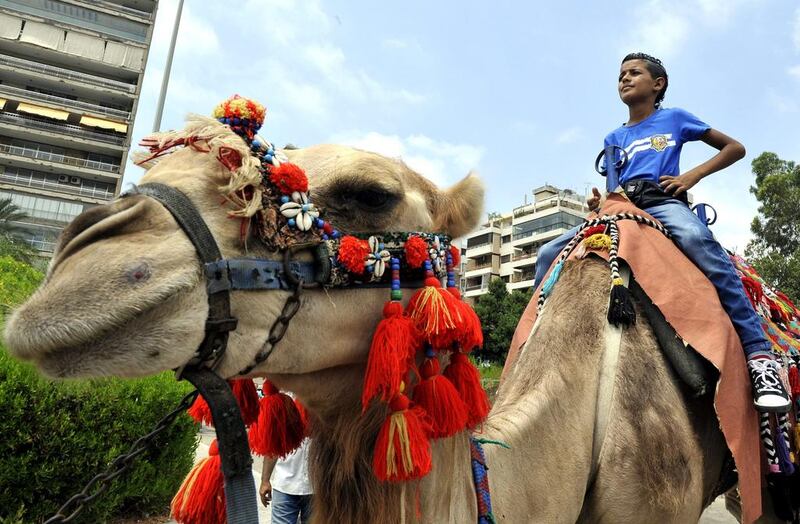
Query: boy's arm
(730,151)
(266,488)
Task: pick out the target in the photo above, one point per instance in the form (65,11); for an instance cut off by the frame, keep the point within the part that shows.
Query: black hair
(656,69)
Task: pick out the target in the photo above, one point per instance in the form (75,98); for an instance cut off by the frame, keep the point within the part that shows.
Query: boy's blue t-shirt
(654,144)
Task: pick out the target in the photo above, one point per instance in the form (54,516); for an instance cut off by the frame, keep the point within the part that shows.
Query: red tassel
(437,396)
(201,497)
(402,450)
(794,381)
(394,343)
(353,253)
(416,251)
(467,381)
(470,334)
(279,428)
(434,310)
(247,398)
(200,411)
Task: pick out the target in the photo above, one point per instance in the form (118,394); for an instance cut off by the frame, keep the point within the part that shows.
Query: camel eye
(373,198)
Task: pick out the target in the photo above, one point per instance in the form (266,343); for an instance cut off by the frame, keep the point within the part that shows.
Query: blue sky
(522,92)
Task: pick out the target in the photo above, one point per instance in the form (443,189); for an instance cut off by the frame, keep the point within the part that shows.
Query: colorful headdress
(424,403)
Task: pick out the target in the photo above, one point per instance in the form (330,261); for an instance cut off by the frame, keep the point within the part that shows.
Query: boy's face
(636,84)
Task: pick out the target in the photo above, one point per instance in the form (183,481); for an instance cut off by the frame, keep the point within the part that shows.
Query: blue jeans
(290,509)
(694,238)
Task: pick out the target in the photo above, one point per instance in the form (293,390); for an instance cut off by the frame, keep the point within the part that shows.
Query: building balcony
(77,106)
(95,193)
(480,249)
(33,153)
(522,256)
(65,74)
(68,130)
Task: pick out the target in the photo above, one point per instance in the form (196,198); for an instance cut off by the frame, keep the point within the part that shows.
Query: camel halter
(278,206)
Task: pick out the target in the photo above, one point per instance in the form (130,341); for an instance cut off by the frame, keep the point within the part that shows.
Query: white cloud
(570,135)
(780,102)
(659,29)
(395,43)
(441,162)
(794,71)
(196,37)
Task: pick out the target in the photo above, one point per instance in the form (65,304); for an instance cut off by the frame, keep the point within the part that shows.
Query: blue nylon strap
(253,274)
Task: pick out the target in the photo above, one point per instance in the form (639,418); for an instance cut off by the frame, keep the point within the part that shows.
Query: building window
(505,258)
(548,223)
(505,239)
(44,209)
(480,240)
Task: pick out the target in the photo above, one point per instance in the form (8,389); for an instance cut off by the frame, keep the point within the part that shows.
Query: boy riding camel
(652,139)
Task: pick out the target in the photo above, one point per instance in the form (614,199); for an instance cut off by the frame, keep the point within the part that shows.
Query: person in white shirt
(285,483)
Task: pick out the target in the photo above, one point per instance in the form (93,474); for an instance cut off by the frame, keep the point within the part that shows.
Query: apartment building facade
(505,247)
(71,73)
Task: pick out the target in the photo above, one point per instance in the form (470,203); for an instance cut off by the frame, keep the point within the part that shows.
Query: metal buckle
(322,263)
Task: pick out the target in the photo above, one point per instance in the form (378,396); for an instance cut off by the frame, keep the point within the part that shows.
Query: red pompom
(754,290)
(246,397)
(438,397)
(467,381)
(289,178)
(279,428)
(200,411)
(594,230)
(402,450)
(456,254)
(391,354)
(201,497)
(353,253)
(416,251)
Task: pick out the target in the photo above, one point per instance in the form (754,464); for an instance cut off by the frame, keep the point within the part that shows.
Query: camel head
(125,294)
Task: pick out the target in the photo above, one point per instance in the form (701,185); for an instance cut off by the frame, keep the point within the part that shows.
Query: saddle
(685,312)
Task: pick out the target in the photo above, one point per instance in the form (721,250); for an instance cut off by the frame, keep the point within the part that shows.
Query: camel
(124,296)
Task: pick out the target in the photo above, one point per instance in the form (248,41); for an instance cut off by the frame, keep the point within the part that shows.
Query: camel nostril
(138,273)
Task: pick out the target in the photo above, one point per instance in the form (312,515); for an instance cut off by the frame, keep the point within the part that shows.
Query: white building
(506,246)
(70,76)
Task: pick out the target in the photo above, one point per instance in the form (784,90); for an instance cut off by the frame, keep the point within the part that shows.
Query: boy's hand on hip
(676,185)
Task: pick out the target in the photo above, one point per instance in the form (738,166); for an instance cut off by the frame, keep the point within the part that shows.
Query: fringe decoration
(547,288)
(432,308)
(201,497)
(353,254)
(279,428)
(246,395)
(416,251)
(402,450)
(438,397)
(200,411)
(470,335)
(391,354)
(620,306)
(467,381)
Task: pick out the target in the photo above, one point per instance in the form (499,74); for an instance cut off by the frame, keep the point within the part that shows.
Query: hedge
(56,436)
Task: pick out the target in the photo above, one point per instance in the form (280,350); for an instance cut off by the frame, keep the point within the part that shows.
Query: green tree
(499,312)
(775,249)
(10,213)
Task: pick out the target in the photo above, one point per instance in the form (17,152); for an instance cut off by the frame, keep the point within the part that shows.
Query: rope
(480,476)
(611,222)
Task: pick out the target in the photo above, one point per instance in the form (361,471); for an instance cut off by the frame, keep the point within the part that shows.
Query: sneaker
(768,391)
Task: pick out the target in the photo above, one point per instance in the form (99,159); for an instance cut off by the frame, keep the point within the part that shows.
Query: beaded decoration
(276,205)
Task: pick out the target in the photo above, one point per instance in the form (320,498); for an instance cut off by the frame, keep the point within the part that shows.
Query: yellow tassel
(617,282)
(430,311)
(598,241)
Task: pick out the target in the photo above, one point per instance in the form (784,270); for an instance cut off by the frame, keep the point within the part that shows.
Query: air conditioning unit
(75,181)
(63,179)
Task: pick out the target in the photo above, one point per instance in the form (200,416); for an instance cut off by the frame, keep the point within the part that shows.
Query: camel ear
(460,208)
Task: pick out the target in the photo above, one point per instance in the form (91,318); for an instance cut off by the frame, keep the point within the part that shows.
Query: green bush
(54,437)
(17,281)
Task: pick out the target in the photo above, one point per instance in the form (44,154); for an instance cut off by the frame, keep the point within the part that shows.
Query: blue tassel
(552,279)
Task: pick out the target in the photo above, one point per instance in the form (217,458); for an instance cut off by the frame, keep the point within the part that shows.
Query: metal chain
(118,466)
(279,327)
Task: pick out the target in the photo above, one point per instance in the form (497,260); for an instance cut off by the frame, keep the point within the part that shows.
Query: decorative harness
(289,223)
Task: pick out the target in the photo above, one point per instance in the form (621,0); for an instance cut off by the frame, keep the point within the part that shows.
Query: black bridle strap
(241,504)
(219,321)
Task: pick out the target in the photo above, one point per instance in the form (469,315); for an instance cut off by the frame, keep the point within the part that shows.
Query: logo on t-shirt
(659,142)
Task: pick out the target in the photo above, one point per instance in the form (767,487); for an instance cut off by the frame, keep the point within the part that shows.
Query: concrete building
(506,246)
(70,76)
